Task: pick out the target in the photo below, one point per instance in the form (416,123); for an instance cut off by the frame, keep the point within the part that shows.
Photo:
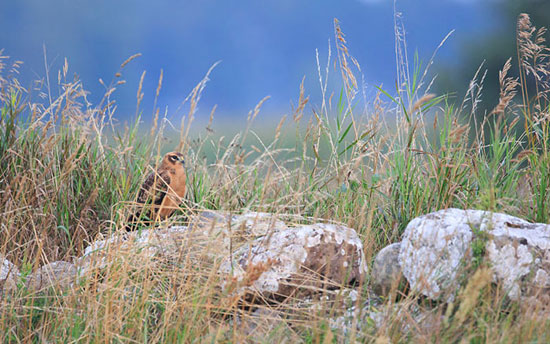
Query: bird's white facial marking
(174,158)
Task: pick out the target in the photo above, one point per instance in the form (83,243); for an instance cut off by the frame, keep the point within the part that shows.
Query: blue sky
(265,47)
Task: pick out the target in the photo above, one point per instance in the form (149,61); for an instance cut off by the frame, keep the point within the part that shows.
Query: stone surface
(233,229)
(519,254)
(296,261)
(350,314)
(210,235)
(261,325)
(386,271)
(9,274)
(138,246)
(262,322)
(409,318)
(268,256)
(53,275)
(432,251)
(368,314)
(437,246)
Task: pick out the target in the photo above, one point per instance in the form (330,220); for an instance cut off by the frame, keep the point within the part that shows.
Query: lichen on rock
(437,246)
(300,260)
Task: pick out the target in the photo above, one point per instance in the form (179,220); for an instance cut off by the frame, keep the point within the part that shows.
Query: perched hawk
(163,190)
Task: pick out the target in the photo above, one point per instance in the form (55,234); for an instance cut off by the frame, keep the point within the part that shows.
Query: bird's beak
(182,162)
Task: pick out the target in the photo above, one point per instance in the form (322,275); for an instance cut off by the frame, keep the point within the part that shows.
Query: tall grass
(69,174)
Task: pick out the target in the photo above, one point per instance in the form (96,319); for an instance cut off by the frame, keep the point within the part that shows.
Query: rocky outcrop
(210,235)
(231,230)
(297,261)
(53,275)
(247,224)
(433,249)
(437,247)
(386,271)
(138,247)
(258,253)
(519,255)
(262,323)
(9,274)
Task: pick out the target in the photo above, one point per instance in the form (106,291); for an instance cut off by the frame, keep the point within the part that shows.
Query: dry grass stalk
(348,77)
(470,295)
(508,88)
(193,98)
(534,60)
(128,60)
(302,101)
(421,102)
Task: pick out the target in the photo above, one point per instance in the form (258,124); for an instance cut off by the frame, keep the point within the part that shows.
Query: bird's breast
(178,183)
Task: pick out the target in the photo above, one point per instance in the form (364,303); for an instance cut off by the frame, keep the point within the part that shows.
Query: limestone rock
(210,234)
(437,246)
(134,245)
(258,252)
(53,275)
(417,322)
(432,251)
(9,274)
(386,271)
(296,261)
(233,229)
(519,253)
(263,322)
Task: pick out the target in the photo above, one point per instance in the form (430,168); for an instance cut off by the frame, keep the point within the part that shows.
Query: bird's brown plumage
(163,188)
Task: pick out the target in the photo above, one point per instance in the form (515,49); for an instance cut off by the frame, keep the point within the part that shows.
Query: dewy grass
(69,175)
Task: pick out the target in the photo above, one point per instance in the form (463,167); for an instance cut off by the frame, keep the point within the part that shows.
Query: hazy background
(266,47)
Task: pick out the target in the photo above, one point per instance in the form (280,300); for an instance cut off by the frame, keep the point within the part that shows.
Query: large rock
(263,323)
(9,274)
(437,247)
(417,323)
(59,274)
(519,253)
(230,230)
(386,271)
(257,253)
(210,234)
(138,246)
(296,261)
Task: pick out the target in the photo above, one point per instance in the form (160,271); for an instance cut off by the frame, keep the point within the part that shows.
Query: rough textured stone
(409,318)
(134,245)
(350,314)
(386,271)
(437,246)
(519,253)
(371,315)
(234,229)
(53,275)
(9,274)
(258,252)
(196,241)
(297,261)
(432,250)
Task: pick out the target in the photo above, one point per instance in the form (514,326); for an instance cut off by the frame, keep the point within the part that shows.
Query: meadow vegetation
(69,173)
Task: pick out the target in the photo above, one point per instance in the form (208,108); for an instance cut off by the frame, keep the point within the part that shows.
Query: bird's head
(173,159)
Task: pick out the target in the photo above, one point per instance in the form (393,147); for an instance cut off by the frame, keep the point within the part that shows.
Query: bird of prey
(162,191)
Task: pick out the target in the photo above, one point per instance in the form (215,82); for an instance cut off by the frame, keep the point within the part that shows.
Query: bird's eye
(174,158)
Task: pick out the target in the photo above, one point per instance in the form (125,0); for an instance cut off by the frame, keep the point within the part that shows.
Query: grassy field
(69,173)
